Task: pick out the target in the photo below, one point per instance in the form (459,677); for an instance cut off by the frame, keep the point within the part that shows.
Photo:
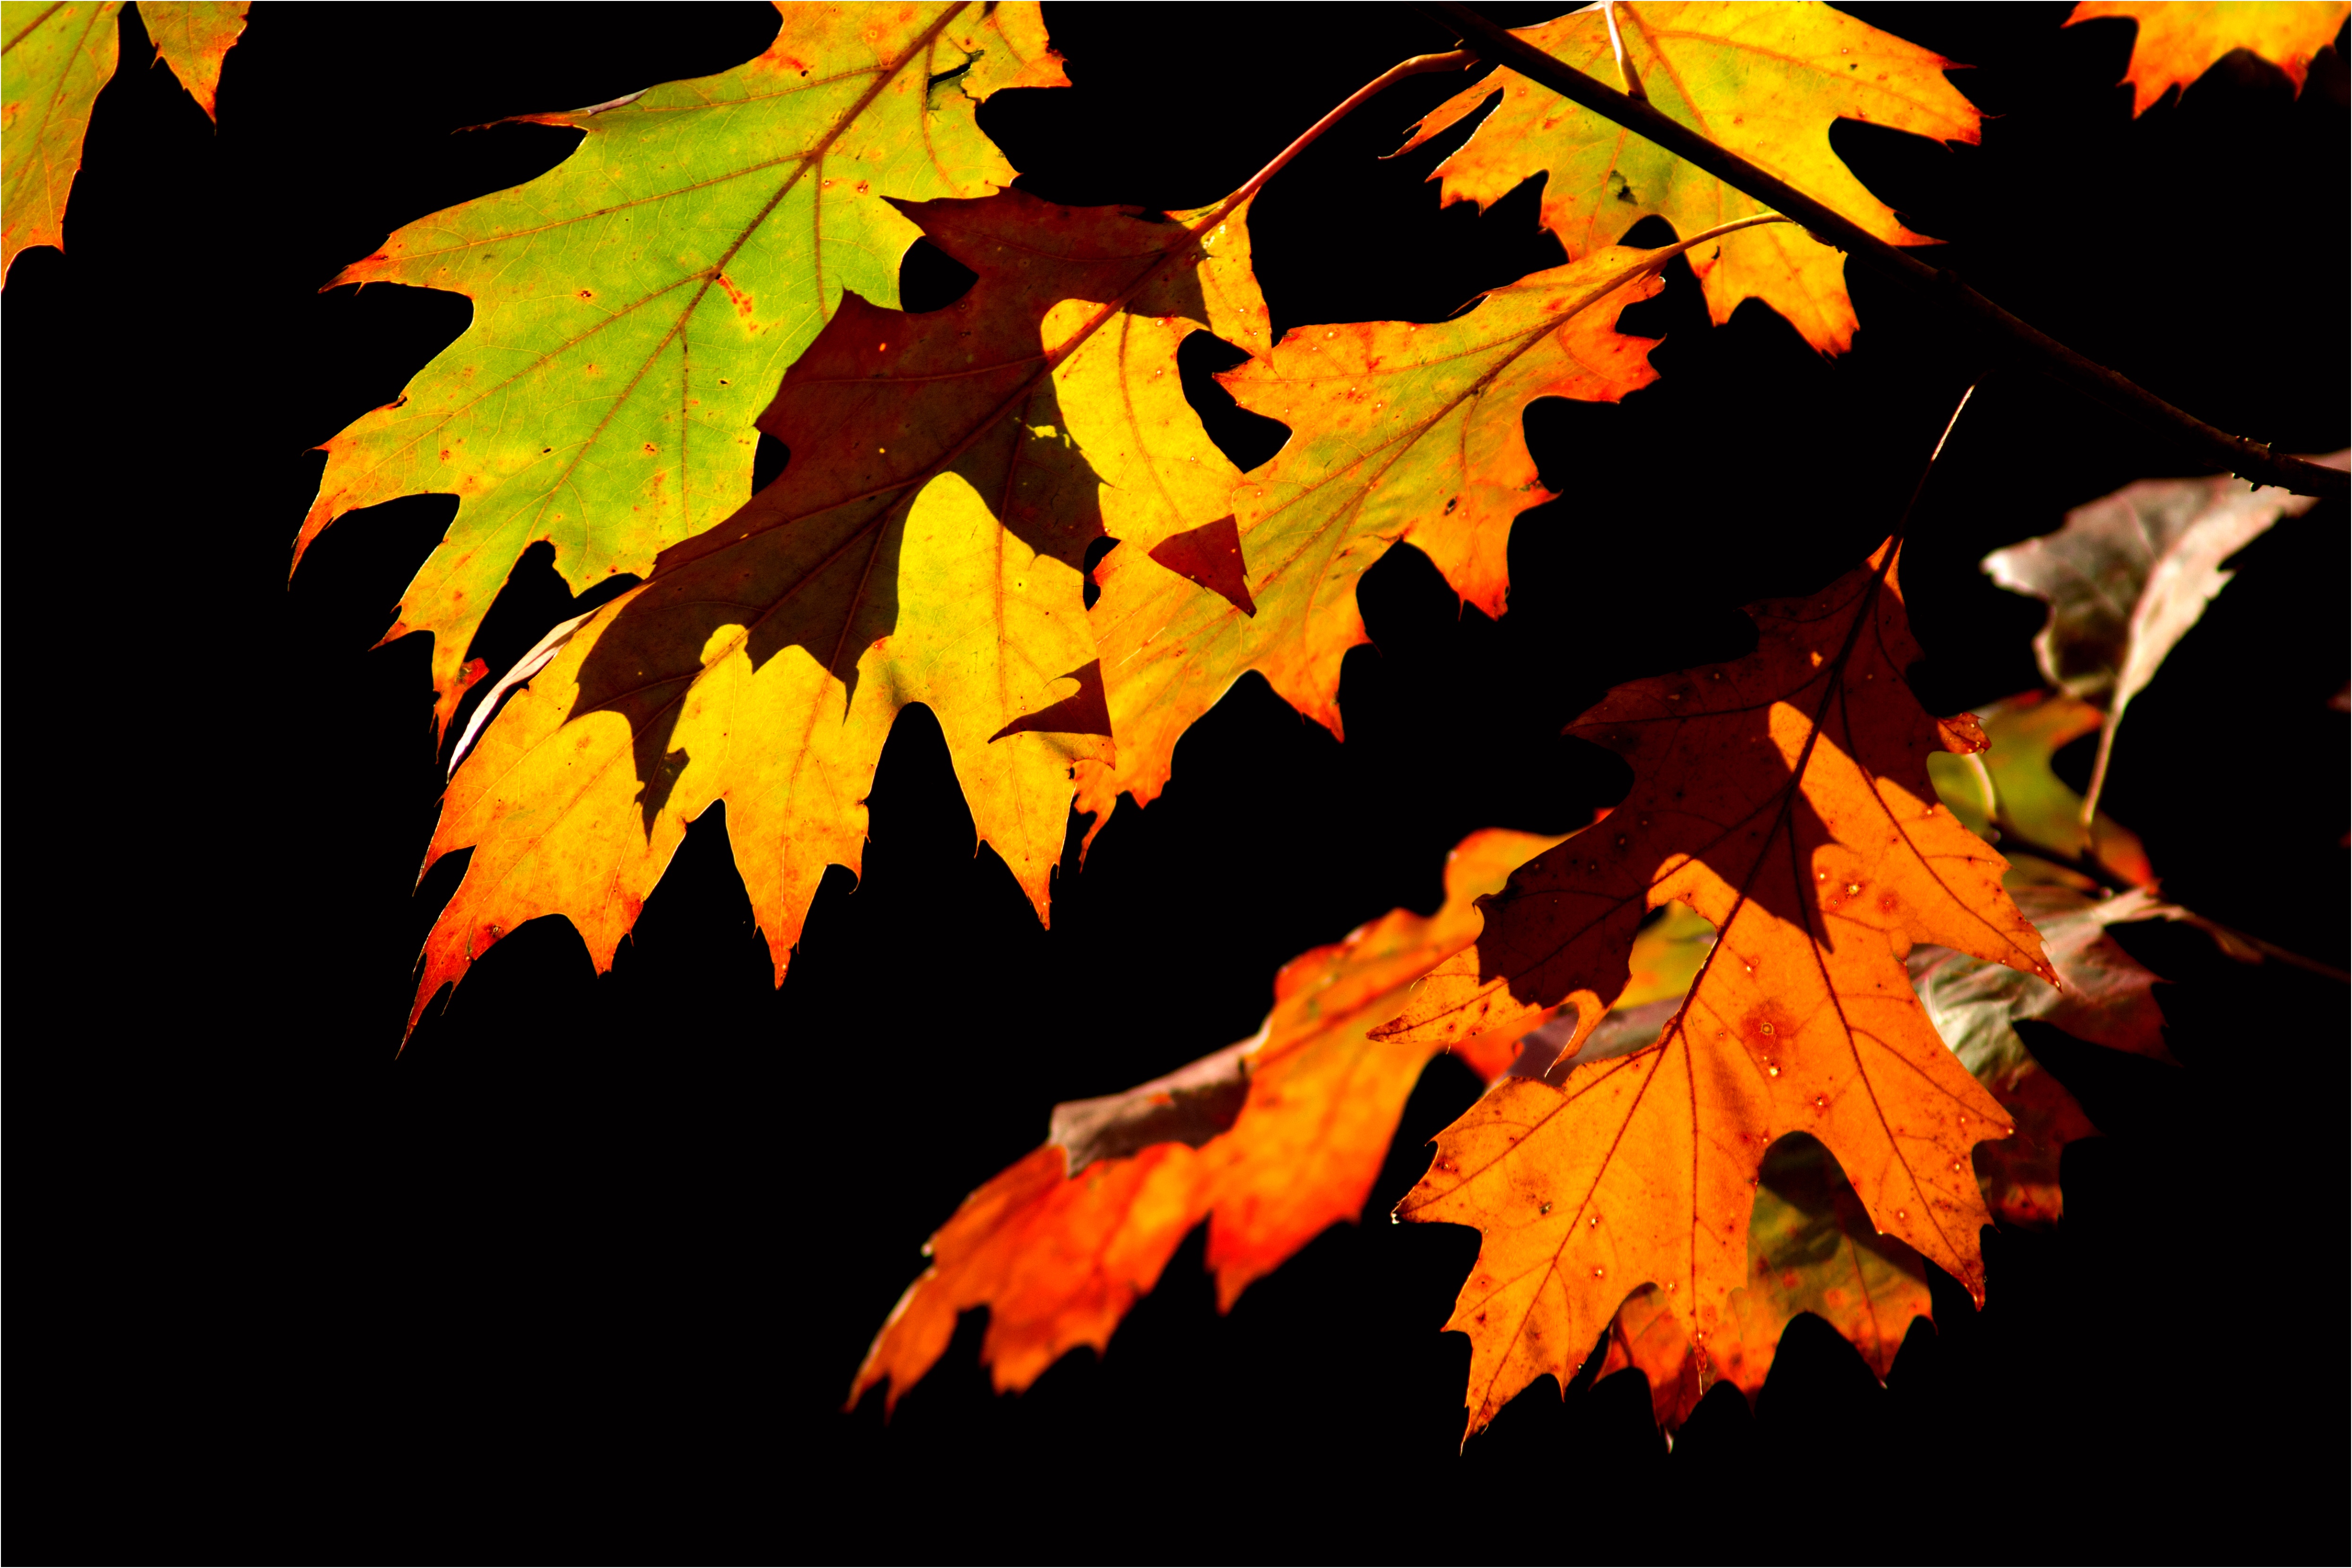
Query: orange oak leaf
(1784,797)
(1272,1141)
(1665,958)
(1401,431)
(1764,78)
(1811,1246)
(2179,40)
(925,543)
(1810,1249)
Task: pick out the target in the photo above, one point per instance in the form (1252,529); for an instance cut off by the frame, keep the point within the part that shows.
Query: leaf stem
(2252,460)
(2227,938)
(2107,723)
(1625,71)
(1420,65)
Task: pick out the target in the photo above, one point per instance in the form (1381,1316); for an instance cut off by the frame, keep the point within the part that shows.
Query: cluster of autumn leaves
(1800,929)
(1791,927)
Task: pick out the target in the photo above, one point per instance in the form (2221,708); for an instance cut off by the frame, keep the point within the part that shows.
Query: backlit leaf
(1766,79)
(926,543)
(1811,1248)
(1784,797)
(195,36)
(53,61)
(2179,40)
(1402,431)
(1272,1141)
(635,306)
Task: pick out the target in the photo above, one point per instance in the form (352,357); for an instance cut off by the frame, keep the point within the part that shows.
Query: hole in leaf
(1649,234)
(768,462)
(1096,552)
(1246,438)
(931,279)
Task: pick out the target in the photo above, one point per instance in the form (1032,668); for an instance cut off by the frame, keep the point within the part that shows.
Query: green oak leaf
(636,307)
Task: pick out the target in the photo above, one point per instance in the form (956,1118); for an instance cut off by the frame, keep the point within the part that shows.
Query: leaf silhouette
(1784,797)
(635,306)
(2179,40)
(1402,431)
(1272,1141)
(2128,576)
(925,544)
(1763,78)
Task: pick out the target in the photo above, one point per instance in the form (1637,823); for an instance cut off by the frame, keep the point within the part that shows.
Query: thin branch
(2251,459)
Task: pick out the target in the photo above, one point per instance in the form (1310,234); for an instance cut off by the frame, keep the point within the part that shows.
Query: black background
(583,1273)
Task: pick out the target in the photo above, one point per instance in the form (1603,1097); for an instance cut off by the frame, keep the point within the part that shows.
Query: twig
(2252,460)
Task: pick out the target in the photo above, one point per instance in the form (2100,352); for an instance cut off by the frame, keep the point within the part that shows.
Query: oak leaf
(1811,1248)
(2179,40)
(1766,79)
(1784,797)
(1271,1141)
(54,59)
(2128,577)
(1402,431)
(1666,955)
(194,37)
(925,543)
(634,307)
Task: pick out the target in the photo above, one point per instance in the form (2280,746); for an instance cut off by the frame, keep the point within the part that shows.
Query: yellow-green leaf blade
(53,61)
(194,37)
(636,307)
